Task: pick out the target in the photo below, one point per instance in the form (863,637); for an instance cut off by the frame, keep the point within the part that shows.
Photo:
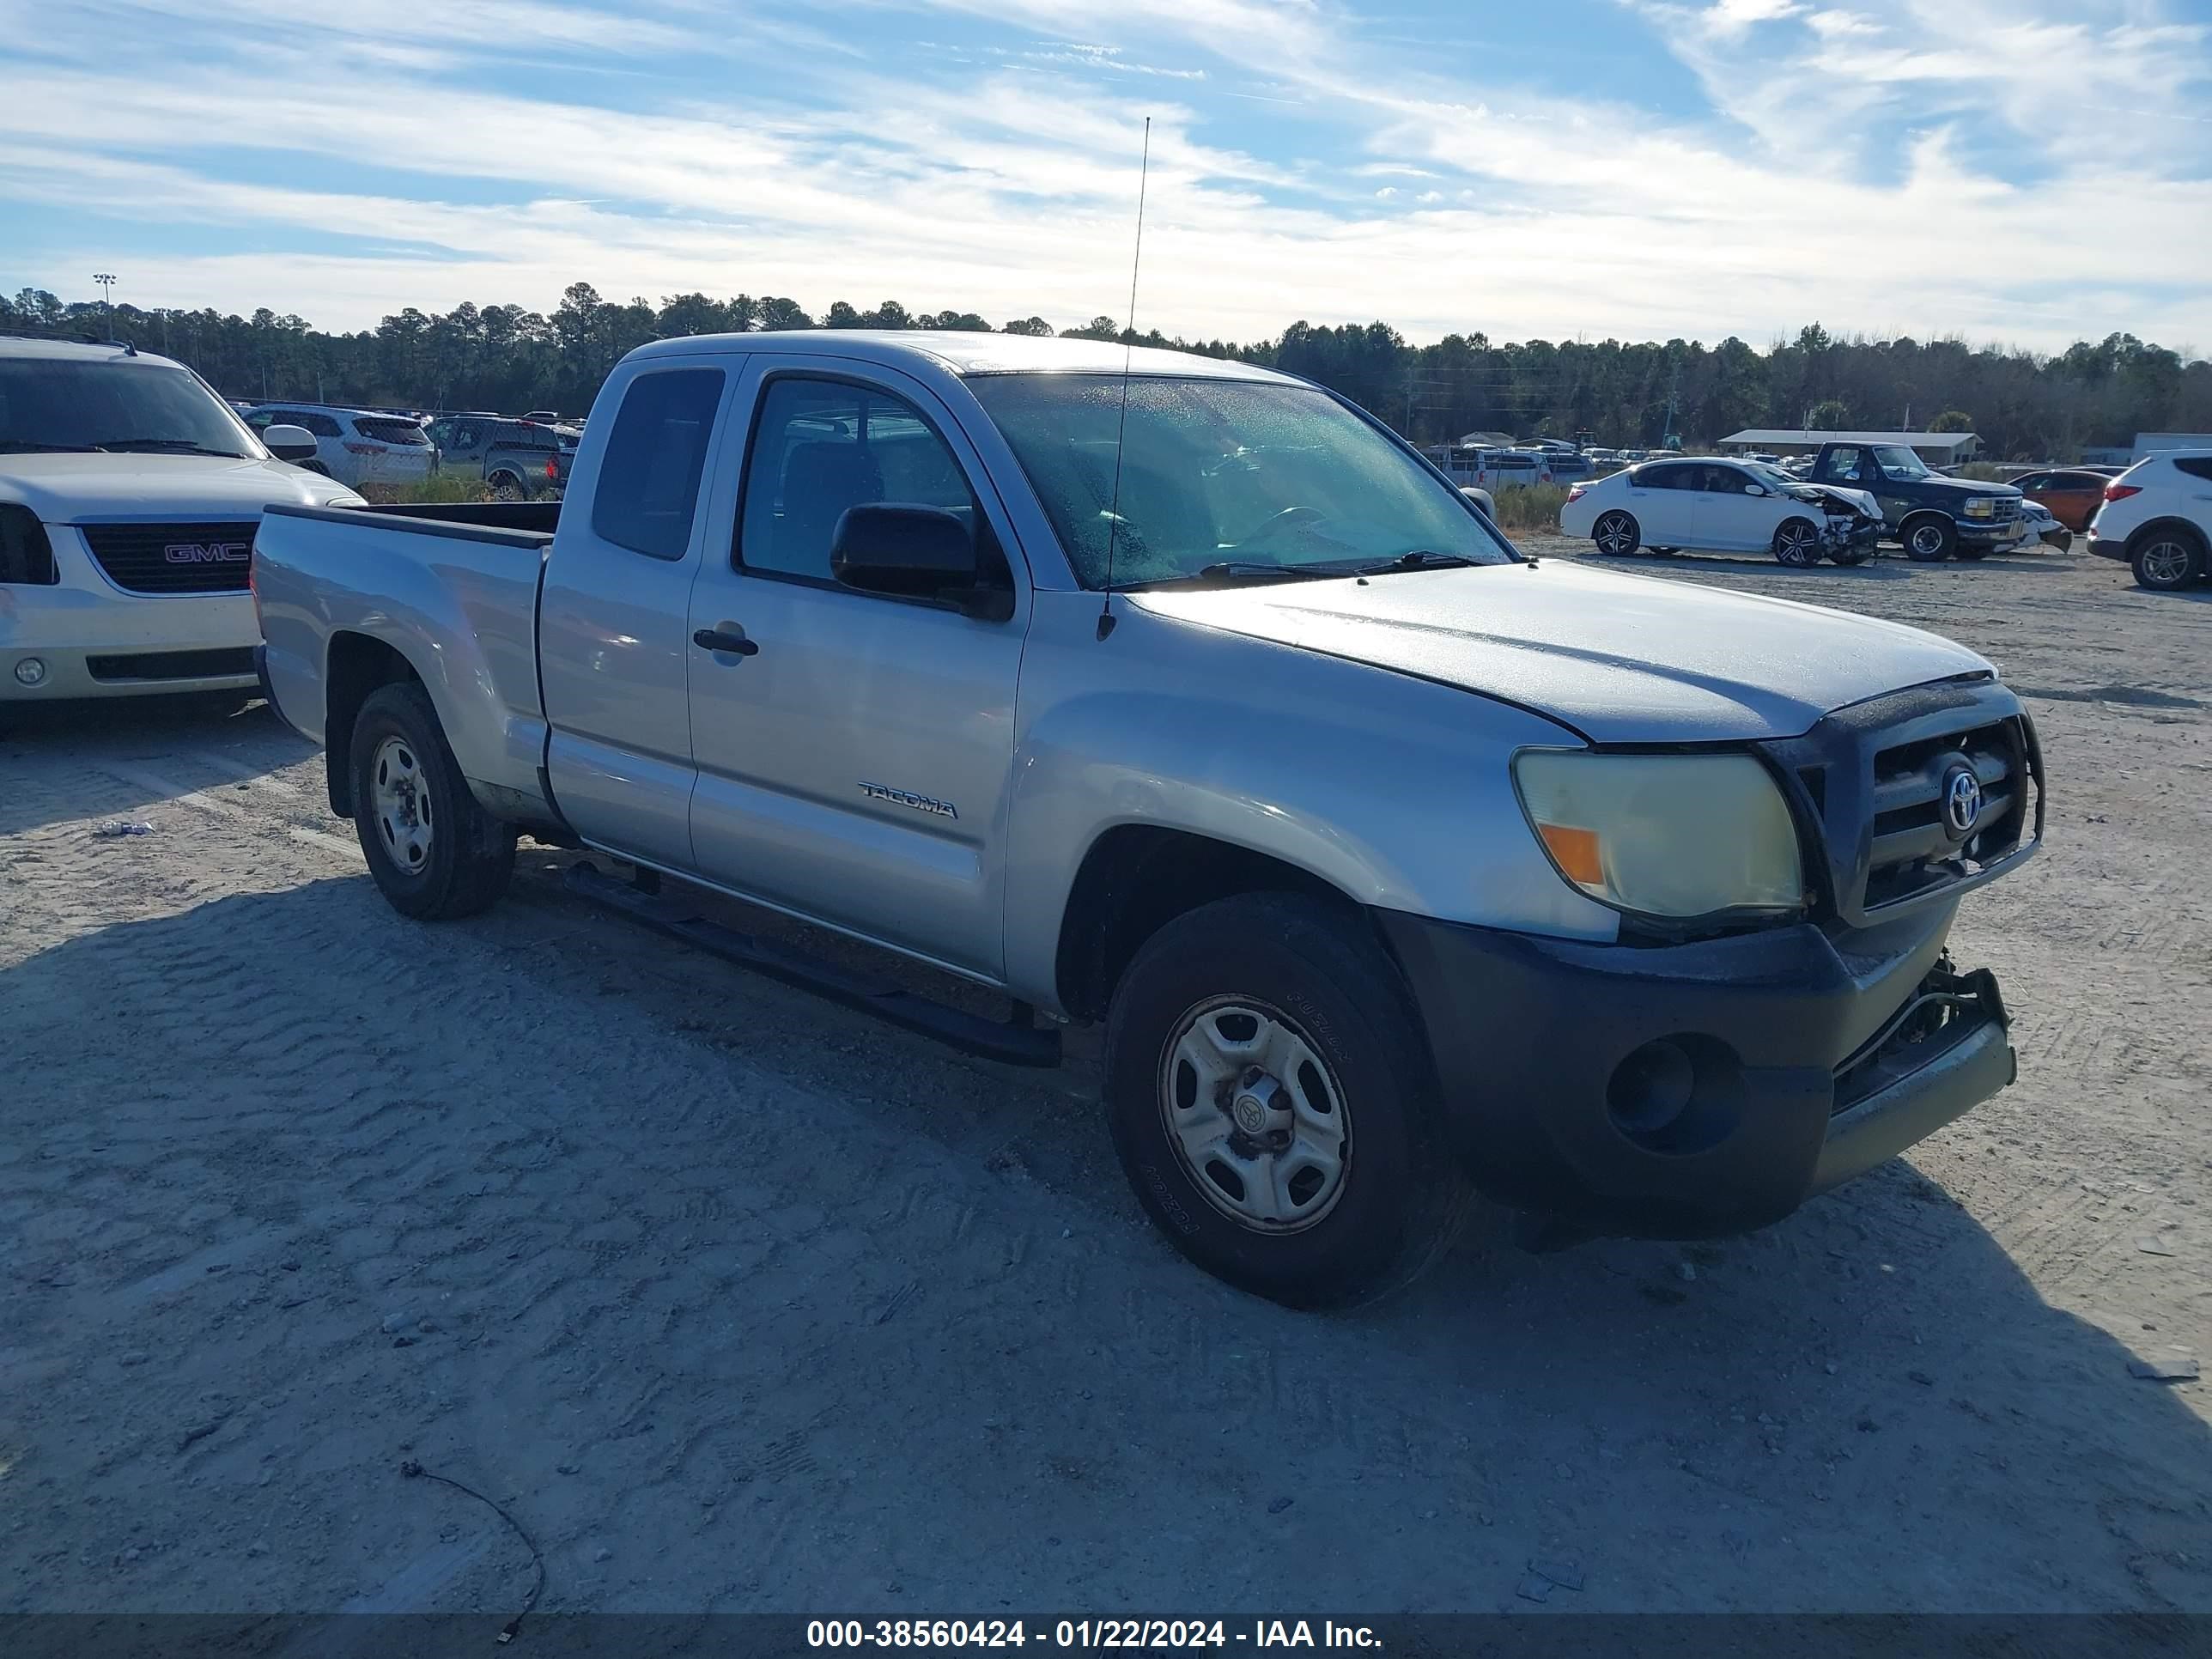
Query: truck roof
(969,353)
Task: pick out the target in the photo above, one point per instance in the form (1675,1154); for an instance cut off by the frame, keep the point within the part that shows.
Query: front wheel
(1798,545)
(433,850)
(1929,540)
(1617,535)
(2163,560)
(1273,1103)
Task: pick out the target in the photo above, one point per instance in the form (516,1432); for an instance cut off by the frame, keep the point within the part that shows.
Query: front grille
(172,664)
(1915,849)
(174,558)
(1869,783)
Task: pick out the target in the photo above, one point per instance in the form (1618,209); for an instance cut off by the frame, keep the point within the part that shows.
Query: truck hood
(1963,487)
(68,489)
(1621,658)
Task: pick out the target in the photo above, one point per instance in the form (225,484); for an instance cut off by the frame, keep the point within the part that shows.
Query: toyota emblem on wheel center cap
(1962,802)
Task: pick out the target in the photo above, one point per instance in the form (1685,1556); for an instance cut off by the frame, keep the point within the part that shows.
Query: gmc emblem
(207,552)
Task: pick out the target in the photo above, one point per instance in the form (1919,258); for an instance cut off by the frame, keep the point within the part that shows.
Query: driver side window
(821,446)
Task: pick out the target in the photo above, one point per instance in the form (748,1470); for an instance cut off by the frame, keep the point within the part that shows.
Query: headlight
(1982,507)
(1674,835)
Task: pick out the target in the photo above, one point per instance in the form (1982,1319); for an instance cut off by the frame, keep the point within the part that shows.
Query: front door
(854,755)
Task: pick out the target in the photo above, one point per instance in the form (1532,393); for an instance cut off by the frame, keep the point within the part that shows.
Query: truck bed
(452,589)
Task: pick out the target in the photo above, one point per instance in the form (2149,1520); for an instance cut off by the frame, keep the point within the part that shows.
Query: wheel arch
(2170,522)
(1135,878)
(357,665)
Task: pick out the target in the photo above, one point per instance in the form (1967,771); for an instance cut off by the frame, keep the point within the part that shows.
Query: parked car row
(520,459)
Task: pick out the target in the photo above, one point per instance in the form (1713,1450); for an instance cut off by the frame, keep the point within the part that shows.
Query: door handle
(714,639)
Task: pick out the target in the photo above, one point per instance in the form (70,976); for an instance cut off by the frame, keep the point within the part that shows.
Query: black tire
(1929,538)
(469,854)
(2165,558)
(1797,543)
(1616,534)
(505,487)
(1401,1196)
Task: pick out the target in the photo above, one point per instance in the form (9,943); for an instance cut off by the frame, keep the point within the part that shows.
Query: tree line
(2024,404)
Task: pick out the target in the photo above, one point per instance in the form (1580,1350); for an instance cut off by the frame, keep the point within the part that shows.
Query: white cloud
(1910,165)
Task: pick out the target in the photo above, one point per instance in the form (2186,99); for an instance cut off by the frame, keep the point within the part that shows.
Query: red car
(2072,493)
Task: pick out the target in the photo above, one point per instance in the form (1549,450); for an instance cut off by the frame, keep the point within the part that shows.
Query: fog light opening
(1652,1088)
(31,671)
(1677,1094)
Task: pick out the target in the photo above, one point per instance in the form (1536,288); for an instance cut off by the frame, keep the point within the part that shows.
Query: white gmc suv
(129,495)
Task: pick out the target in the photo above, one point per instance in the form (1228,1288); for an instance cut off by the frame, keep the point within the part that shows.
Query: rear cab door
(614,645)
(854,766)
(1660,497)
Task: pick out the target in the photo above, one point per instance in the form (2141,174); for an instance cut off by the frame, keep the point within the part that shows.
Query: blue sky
(2022,170)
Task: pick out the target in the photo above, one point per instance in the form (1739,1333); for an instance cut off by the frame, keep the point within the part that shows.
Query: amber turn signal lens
(1574,851)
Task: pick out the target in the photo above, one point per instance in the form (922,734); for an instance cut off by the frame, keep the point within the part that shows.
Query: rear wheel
(2165,558)
(1616,534)
(433,850)
(1929,539)
(1797,543)
(505,487)
(1274,1105)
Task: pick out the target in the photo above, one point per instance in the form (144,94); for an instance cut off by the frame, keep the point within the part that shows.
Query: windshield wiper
(182,446)
(19,446)
(1419,559)
(1225,571)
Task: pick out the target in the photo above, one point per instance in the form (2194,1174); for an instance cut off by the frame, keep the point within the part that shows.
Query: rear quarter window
(649,486)
(392,430)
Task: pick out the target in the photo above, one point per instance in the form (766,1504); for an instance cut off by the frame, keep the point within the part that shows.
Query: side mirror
(914,552)
(290,443)
(1756,489)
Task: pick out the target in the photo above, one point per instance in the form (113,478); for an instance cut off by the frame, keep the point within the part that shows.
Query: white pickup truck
(1182,695)
(129,495)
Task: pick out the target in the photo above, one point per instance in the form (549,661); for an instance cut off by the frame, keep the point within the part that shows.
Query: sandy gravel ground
(741,1301)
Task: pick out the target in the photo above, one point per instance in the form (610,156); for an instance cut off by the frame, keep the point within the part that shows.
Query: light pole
(107,281)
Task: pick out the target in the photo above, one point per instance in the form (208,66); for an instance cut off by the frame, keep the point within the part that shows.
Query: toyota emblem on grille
(207,552)
(1962,802)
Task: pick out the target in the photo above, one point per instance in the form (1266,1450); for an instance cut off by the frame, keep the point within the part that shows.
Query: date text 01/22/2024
(985,1633)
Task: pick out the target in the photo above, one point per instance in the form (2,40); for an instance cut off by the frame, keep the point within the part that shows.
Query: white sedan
(1725,506)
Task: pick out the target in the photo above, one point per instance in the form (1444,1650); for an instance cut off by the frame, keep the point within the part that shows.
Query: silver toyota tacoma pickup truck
(1183,696)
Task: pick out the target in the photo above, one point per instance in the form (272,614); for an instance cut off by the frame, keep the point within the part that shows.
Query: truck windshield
(1234,477)
(1903,463)
(50,405)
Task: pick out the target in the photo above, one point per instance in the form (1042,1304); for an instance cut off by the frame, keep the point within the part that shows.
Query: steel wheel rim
(1928,539)
(1255,1116)
(1798,546)
(1613,534)
(399,798)
(2165,562)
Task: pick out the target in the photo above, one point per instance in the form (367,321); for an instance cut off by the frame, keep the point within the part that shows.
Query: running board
(1000,1040)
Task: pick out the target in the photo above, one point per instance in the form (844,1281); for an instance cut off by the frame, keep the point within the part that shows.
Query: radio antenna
(1128,352)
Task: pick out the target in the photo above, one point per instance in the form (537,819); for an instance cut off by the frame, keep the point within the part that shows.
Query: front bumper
(1791,1060)
(88,640)
(1990,532)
